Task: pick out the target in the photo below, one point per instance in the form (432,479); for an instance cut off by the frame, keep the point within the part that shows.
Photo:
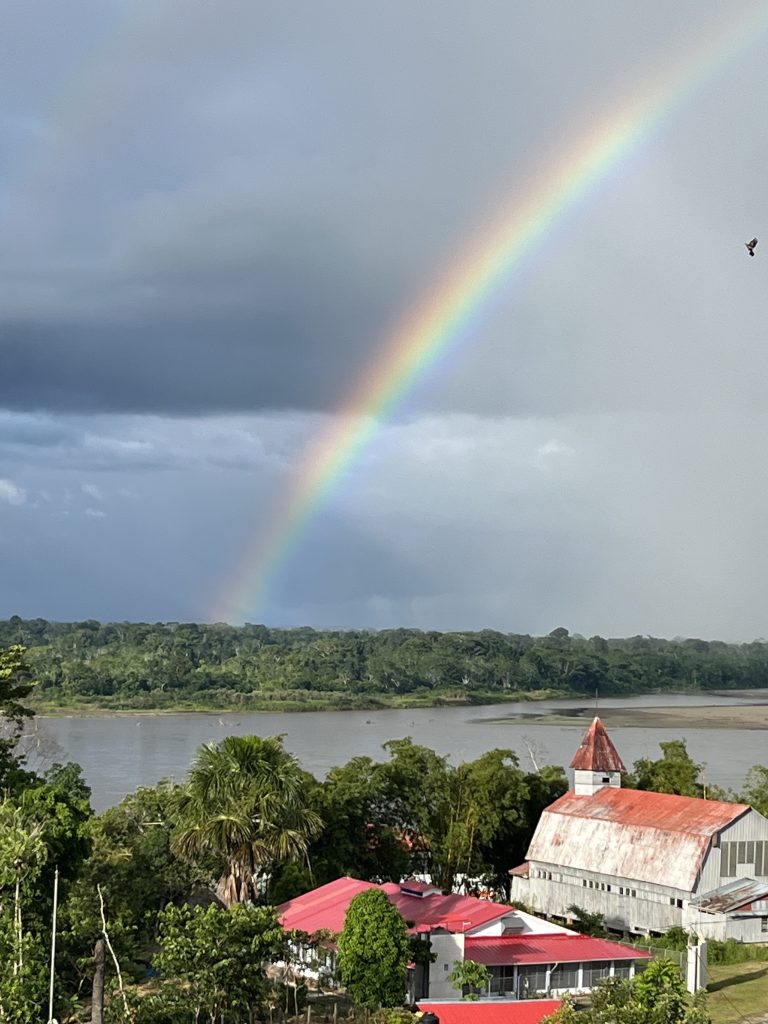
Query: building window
(606,779)
(584,882)
(764,924)
(634,892)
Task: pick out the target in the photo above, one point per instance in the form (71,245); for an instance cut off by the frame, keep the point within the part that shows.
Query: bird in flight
(751,246)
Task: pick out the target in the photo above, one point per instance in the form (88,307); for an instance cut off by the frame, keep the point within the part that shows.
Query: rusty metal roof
(732,896)
(597,753)
(632,834)
(660,810)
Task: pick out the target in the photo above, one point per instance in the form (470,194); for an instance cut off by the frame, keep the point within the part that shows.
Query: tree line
(158,665)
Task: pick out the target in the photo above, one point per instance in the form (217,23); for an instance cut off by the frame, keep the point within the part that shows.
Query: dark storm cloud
(226,207)
(212,215)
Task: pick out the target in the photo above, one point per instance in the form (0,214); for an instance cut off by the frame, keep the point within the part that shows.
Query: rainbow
(446,315)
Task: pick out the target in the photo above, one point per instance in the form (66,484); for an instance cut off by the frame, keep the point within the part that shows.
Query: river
(120,752)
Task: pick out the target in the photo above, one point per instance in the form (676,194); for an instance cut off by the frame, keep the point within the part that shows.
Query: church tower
(596,764)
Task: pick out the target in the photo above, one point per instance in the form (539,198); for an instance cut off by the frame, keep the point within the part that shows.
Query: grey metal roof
(731,896)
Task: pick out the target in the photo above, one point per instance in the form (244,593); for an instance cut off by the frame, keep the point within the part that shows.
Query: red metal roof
(597,753)
(527,1011)
(326,907)
(642,808)
(546,949)
(323,907)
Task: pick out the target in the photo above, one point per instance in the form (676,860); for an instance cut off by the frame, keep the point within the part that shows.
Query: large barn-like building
(646,861)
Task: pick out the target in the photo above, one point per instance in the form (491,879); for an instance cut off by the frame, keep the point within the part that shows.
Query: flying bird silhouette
(751,246)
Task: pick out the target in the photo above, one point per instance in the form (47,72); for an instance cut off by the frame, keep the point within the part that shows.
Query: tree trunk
(97,1000)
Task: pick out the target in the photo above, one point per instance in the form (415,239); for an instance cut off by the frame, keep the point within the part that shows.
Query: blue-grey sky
(212,215)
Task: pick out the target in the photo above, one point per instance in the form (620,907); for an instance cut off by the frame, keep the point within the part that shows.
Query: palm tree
(244,806)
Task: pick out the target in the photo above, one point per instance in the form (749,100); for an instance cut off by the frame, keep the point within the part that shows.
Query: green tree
(470,978)
(360,837)
(216,959)
(586,922)
(22,967)
(657,996)
(374,951)
(661,993)
(131,860)
(15,684)
(756,789)
(674,772)
(244,807)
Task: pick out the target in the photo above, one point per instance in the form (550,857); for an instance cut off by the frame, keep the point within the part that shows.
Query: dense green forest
(187,665)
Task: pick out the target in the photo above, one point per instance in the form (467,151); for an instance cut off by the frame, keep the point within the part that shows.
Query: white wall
(649,910)
(521,923)
(447,949)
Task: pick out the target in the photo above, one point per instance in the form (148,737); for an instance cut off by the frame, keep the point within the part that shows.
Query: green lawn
(738,992)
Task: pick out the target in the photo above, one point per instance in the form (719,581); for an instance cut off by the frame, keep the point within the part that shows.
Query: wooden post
(97,1000)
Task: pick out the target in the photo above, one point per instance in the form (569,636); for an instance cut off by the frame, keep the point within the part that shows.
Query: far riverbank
(738,709)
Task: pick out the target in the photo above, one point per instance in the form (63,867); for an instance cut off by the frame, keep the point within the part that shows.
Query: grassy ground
(738,992)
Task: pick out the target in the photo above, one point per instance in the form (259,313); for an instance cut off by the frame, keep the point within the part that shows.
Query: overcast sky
(213,215)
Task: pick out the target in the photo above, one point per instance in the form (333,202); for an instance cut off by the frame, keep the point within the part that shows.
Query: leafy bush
(732,952)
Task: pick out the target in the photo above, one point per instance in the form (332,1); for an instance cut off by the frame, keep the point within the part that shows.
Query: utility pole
(53,944)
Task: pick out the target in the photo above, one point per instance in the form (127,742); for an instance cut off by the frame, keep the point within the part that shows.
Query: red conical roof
(597,753)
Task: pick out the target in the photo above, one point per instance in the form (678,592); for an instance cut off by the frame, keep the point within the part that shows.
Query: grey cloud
(213,217)
(238,204)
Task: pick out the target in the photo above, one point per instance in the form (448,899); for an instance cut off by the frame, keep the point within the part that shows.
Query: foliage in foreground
(657,996)
(470,978)
(374,951)
(218,956)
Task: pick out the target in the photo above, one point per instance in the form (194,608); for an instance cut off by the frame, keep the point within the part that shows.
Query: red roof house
(525,954)
(425,905)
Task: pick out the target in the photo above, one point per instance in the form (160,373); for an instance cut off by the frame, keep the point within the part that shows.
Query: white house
(525,955)
(646,861)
